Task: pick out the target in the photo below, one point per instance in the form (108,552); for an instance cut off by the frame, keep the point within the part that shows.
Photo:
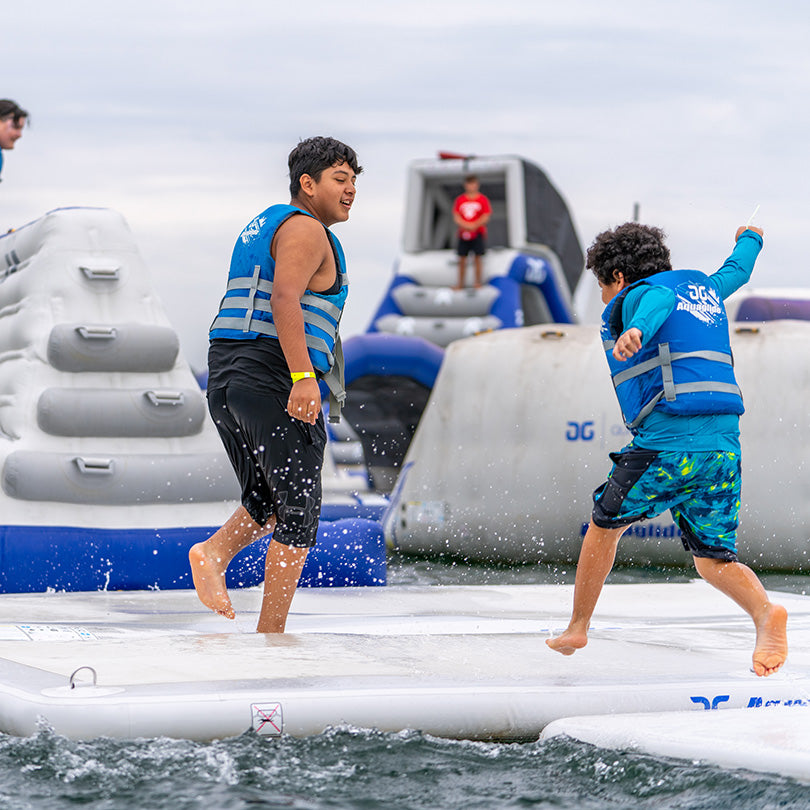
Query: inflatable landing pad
(774,739)
(461,662)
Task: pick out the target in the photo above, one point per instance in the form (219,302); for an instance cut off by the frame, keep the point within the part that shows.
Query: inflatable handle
(97,332)
(95,466)
(158,398)
(101,273)
(75,672)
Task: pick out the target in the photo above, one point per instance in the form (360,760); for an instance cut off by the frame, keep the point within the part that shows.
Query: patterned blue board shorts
(702,490)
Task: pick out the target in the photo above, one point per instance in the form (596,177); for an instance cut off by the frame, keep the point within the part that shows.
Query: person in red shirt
(471,212)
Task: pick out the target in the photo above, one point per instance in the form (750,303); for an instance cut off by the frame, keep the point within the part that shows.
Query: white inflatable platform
(774,739)
(459,662)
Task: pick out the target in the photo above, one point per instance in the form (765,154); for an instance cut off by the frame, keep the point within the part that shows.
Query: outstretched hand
(743,228)
(627,344)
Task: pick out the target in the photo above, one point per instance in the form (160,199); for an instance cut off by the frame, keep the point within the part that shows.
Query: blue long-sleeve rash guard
(647,307)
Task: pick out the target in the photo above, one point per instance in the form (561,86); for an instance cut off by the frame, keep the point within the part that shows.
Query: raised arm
(738,267)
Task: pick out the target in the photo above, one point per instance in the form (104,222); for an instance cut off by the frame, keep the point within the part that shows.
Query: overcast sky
(180,116)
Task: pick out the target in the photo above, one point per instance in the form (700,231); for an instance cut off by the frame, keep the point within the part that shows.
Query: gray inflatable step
(129,347)
(119,479)
(441,331)
(128,413)
(414,299)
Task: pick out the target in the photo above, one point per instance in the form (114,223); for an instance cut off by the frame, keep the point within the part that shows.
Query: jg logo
(579,432)
(699,293)
(535,272)
(706,704)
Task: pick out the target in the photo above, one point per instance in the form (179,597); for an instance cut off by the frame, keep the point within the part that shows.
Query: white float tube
(517,434)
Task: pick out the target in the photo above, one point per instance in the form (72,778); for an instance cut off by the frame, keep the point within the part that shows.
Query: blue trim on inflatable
(350,552)
(388,306)
(757,308)
(382,355)
(507,307)
(536,271)
(331,512)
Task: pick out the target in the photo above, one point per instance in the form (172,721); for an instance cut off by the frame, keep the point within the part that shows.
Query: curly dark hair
(635,250)
(313,155)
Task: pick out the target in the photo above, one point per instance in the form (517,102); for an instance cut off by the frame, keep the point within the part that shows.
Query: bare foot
(569,642)
(771,648)
(209,581)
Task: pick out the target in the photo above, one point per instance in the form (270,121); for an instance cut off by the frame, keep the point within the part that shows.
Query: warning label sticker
(268,719)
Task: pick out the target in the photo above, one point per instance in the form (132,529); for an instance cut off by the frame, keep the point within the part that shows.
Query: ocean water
(367,769)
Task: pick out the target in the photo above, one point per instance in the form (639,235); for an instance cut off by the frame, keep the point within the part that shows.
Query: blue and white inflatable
(110,467)
(532,266)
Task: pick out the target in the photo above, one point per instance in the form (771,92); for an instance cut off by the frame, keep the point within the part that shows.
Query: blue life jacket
(686,367)
(245,312)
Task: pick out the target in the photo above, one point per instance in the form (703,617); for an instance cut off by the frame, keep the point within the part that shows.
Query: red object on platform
(454,156)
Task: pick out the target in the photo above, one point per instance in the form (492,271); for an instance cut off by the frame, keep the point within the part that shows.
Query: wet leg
(479,269)
(462,263)
(595,562)
(209,560)
(741,584)
(282,569)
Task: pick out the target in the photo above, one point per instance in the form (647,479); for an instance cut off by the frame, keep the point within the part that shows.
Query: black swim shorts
(476,245)
(277,459)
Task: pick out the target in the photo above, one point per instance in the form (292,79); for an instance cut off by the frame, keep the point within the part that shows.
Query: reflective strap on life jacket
(684,388)
(670,390)
(252,287)
(667,358)
(254,284)
(268,328)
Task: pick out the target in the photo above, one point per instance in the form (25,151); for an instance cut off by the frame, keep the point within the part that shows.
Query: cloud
(180,115)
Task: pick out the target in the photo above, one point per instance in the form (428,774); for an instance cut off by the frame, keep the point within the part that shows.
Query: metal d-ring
(77,671)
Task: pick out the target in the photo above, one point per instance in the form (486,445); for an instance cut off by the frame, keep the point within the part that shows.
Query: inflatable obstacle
(517,434)
(532,266)
(109,464)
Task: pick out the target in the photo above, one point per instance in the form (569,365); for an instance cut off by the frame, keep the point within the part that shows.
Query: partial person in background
(471,212)
(274,338)
(12,120)
(665,334)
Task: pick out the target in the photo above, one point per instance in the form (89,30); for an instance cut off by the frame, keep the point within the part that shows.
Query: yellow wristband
(300,375)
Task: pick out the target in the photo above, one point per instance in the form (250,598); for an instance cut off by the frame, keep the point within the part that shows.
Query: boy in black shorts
(471,212)
(274,338)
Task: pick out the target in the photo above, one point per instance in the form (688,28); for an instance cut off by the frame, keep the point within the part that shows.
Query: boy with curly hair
(665,334)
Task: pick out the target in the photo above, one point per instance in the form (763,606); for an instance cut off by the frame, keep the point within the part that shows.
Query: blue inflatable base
(33,559)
